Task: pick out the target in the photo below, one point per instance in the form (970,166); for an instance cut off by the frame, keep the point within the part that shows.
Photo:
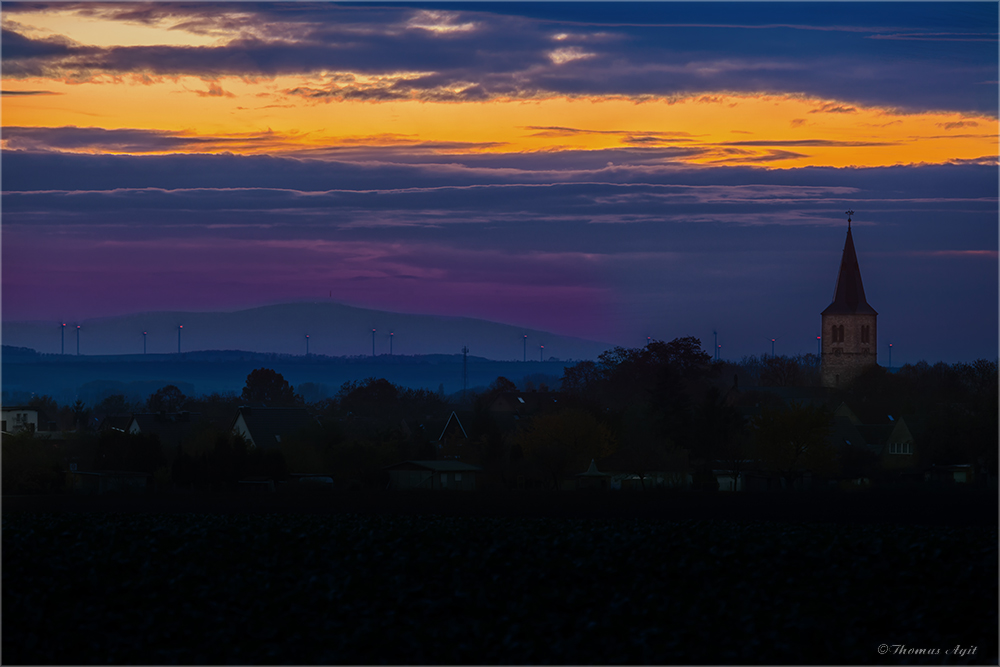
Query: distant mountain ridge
(334,330)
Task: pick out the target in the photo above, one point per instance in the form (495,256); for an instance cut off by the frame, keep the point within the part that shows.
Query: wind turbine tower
(307,345)
(78,340)
(144,342)
(179,328)
(465,369)
(62,340)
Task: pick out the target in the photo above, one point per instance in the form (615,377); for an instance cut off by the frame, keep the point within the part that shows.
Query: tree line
(664,407)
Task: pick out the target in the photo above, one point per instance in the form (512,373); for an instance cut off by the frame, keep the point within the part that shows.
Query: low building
(172,428)
(18,418)
(266,427)
(593,478)
(521,404)
(101,482)
(434,475)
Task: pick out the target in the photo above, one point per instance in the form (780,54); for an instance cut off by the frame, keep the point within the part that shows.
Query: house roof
(116,423)
(849,297)
(268,425)
(592,471)
(453,417)
(435,466)
(525,402)
(171,427)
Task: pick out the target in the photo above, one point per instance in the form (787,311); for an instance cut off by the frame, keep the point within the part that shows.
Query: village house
(434,475)
(266,427)
(172,428)
(17,418)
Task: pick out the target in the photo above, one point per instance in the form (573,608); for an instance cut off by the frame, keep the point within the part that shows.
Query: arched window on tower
(840,333)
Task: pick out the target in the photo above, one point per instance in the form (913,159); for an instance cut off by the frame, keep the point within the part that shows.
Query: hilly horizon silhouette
(334,329)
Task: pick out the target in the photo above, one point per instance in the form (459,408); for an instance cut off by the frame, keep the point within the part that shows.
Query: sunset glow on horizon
(632,146)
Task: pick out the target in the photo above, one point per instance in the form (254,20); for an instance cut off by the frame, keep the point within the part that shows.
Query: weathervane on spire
(848,214)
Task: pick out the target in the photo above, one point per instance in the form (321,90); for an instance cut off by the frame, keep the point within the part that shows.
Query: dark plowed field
(407,587)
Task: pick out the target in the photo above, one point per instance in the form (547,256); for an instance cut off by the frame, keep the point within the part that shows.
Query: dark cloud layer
(662,251)
(859,53)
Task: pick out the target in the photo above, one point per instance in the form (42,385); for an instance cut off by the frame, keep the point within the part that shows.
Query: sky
(610,171)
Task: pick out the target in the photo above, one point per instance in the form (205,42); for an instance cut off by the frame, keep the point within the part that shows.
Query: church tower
(850,340)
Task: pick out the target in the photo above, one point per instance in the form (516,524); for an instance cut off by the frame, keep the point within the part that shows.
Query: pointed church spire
(849,296)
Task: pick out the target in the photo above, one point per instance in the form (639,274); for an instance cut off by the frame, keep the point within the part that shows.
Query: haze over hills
(334,329)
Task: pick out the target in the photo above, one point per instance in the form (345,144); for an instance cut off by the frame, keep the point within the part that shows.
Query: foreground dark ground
(519,578)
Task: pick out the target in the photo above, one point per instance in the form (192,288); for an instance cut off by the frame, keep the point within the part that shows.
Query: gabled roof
(267,426)
(453,417)
(436,466)
(592,471)
(849,297)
